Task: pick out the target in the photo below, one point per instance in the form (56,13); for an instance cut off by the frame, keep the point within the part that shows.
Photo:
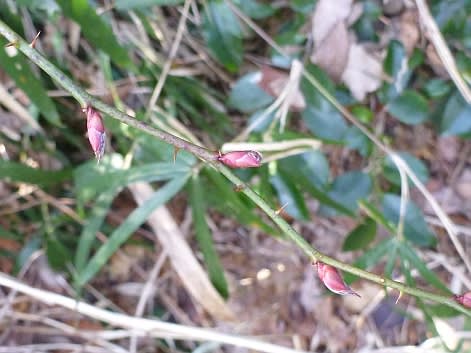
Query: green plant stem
(85,99)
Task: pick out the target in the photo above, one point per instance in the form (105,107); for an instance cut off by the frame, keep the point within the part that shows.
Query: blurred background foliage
(227,84)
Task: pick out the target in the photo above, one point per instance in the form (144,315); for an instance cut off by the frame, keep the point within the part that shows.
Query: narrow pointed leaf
(205,240)
(125,230)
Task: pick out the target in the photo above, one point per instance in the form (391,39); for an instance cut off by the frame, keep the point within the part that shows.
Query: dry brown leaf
(363,72)
(332,53)
(435,62)
(326,16)
(273,81)
(409,33)
(183,260)
(463,184)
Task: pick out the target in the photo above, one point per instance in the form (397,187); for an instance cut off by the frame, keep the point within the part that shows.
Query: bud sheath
(241,159)
(96,131)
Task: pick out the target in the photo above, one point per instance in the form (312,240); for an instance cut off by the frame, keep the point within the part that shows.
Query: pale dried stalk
(435,36)
(144,326)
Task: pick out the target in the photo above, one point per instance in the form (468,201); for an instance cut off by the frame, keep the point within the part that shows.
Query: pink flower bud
(464,299)
(241,159)
(96,131)
(332,279)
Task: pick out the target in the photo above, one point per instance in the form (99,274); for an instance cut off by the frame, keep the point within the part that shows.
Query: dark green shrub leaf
(418,167)
(436,88)
(410,107)
(310,172)
(361,236)
(289,195)
(408,253)
(415,228)
(325,122)
(349,188)
(372,256)
(223,35)
(395,65)
(456,119)
(247,96)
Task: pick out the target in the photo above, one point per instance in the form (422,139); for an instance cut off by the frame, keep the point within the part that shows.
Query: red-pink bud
(241,159)
(332,279)
(96,131)
(464,299)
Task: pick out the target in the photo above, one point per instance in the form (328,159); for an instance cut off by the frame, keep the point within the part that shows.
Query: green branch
(209,156)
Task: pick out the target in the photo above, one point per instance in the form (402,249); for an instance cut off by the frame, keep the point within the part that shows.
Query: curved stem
(86,99)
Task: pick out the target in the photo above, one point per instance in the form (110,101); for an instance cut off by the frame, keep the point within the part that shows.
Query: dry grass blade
(144,326)
(181,256)
(12,104)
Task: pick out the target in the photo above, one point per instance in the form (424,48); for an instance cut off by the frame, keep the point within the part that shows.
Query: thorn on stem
(239,188)
(278,211)
(33,42)
(175,152)
(399,296)
(12,44)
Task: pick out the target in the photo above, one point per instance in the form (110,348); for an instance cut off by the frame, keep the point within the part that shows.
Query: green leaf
(57,254)
(320,116)
(443,310)
(92,226)
(377,215)
(289,196)
(362,113)
(418,167)
(372,256)
(410,107)
(436,88)
(32,245)
(415,228)
(17,172)
(125,230)
(225,198)
(223,35)
(395,65)
(361,236)
(356,139)
(92,178)
(347,189)
(312,165)
(247,96)
(408,253)
(95,29)
(17,67)
(255,9)
(325,122)
(142,4)
(205,240)
(48,6)
(310,172)
(456,118)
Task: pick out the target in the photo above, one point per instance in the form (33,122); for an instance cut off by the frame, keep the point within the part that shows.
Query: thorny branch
(210,157)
